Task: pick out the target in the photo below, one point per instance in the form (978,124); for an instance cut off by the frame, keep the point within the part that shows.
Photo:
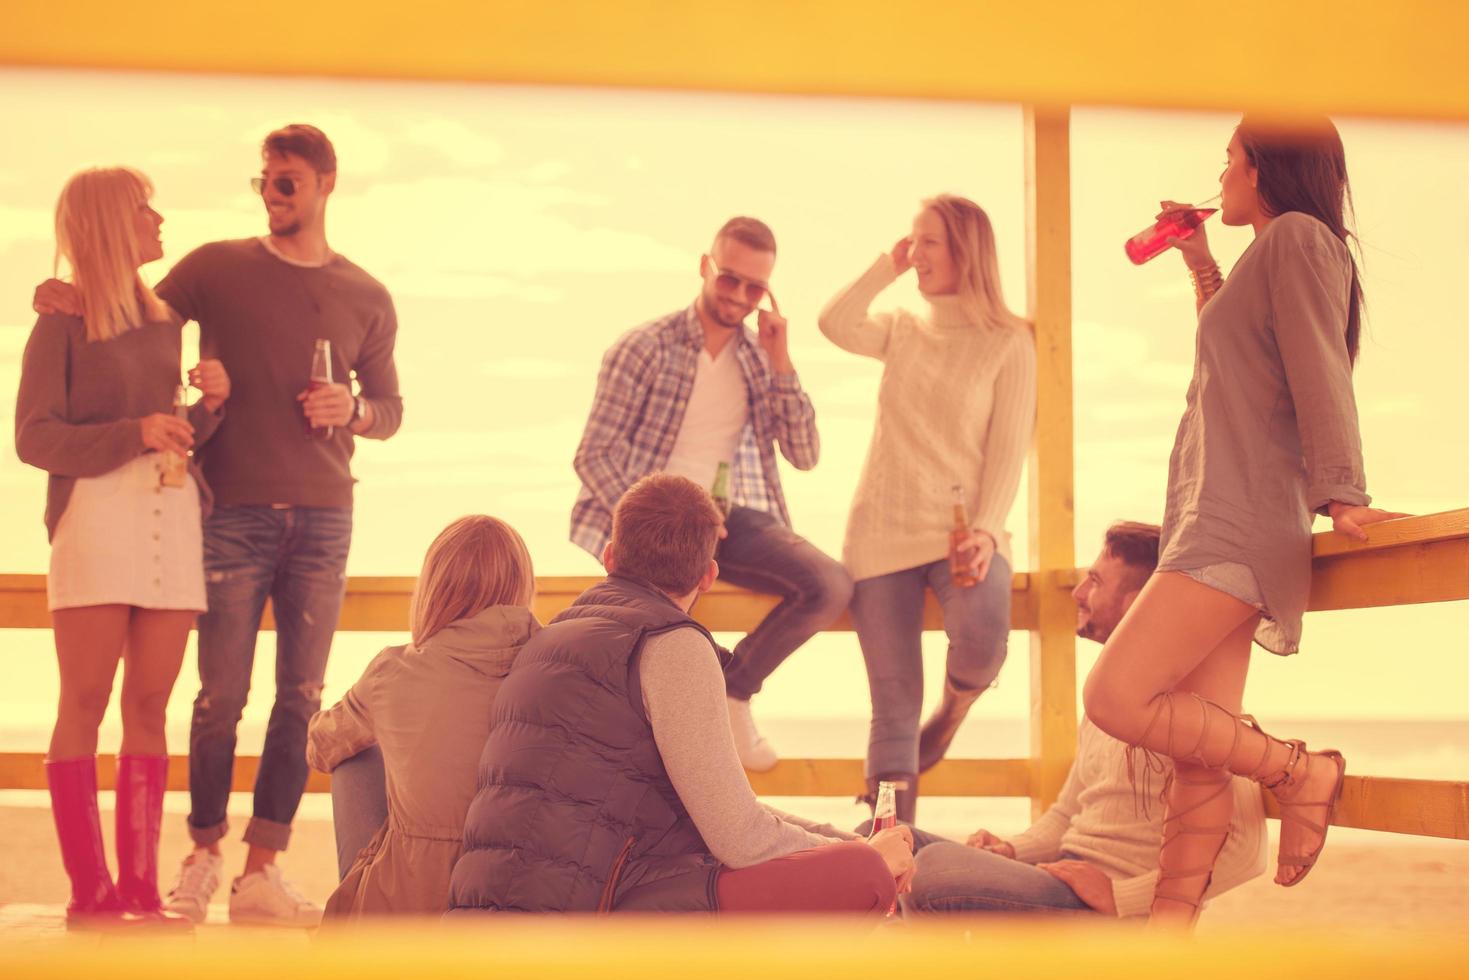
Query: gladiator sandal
(1285,784)
(1188,792)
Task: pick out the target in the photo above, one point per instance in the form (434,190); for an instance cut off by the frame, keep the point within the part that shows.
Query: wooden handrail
(1417,807)
(380,603)
(1417,559)
(1412,560)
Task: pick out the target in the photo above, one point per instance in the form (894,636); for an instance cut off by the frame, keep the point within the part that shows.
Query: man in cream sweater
(1097,847)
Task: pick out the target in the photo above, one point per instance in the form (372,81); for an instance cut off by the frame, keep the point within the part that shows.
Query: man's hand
(986,841)
(213,382)
(1091,885)
(773,340)
(330,404)
(55,296)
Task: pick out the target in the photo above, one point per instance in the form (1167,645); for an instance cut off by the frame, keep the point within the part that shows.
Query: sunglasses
(285,186)
(756,293)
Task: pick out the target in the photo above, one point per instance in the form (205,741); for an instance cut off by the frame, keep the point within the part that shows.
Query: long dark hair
(1302,167)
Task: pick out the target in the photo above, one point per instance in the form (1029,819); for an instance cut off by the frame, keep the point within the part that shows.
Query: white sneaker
(265,898)
(756,754)
(198,880)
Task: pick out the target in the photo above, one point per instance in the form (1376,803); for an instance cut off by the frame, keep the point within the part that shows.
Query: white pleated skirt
(124,538)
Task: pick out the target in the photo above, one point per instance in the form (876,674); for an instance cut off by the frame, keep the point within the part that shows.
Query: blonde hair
(474,563)
(96,218)
(972,244)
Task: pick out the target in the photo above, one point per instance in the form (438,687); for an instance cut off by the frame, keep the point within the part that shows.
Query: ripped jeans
(296,557)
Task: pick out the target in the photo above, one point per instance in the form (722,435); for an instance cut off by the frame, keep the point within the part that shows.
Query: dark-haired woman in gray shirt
(123,509)
(1268,440)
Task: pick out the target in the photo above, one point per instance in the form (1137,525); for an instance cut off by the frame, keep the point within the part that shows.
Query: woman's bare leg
(89,643)
(155,652)
(1200,800)
(1133,695)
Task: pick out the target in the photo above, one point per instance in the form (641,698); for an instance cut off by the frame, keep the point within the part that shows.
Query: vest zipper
(610,889)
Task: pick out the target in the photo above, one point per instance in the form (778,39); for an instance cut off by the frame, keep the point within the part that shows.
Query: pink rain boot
(141,780)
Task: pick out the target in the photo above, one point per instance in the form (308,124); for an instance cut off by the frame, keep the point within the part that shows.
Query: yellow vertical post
(1052,513)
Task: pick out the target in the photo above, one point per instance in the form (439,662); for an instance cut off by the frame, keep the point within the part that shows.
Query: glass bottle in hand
(175,468)
(959,537)
(321,375)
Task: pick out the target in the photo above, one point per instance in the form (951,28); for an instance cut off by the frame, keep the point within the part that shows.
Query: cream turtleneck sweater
(956,405)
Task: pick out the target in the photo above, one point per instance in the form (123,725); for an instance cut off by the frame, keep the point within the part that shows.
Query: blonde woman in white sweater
(956,406)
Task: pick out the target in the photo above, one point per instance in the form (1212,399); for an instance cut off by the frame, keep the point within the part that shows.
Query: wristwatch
(359,409)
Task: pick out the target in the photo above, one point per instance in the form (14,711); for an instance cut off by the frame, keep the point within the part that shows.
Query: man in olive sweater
(282,521)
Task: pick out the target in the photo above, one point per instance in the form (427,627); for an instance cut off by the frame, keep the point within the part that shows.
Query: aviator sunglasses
(285,186)
(757,293)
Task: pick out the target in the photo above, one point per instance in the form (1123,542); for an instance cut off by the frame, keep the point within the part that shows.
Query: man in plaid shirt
(697,388)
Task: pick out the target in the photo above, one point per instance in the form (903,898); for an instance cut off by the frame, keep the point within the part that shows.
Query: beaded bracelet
(1206,281)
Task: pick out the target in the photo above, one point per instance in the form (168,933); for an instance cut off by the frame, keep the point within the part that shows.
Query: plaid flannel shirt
(642,393)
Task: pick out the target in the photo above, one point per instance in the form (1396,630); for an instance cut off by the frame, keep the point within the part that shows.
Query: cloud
(528,369)
(26,224)
(489,226)
(457,141)
(446,284)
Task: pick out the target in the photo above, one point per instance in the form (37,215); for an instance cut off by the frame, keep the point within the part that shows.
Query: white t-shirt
(718,410)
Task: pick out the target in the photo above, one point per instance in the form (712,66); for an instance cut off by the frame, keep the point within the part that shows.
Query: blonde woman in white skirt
(123,512)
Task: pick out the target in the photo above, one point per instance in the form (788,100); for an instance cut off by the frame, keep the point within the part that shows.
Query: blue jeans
(296,557)
(763,554)
(953,877)
(359,804)
(888,614)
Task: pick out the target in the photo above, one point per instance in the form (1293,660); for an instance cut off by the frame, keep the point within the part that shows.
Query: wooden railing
(1419,559)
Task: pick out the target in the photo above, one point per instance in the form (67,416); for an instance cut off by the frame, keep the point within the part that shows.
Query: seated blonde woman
(426,708)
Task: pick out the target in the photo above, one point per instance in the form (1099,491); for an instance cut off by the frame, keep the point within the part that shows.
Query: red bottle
(885,811)
(321,374)
(885,815)
(1153,240)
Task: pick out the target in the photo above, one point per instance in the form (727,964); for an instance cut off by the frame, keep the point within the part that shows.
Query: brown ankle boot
(939,731)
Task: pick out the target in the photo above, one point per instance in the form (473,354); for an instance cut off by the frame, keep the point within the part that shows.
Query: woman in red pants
(123,513)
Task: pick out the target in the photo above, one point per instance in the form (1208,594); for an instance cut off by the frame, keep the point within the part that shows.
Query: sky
(522,230)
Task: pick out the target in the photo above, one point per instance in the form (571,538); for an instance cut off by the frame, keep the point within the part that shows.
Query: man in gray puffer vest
(579,806)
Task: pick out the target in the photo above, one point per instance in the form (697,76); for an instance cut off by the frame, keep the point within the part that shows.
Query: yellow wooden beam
(1410,573)
(1420,807)
(1423,529)
(790,777)
(1052,511)
(1403,58)
(380,604)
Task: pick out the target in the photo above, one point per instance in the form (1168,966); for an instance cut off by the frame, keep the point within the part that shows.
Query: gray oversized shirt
(1269,434)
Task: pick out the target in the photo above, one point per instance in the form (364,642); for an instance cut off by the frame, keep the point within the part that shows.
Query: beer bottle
(885,811)
(321,375)
(958,566)
(175,468)
(720,493)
